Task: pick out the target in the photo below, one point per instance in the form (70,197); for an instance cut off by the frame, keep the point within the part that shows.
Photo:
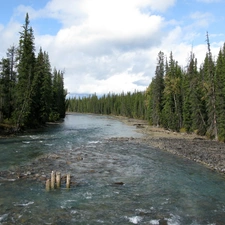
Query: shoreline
(209,153)
(197,148)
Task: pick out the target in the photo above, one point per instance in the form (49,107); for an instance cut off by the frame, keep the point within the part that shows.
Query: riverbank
(191,146)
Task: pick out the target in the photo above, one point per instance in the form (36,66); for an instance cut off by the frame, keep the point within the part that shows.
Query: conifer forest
(31,93)
(189,99)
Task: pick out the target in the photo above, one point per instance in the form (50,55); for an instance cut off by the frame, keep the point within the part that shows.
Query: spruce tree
(210,91)
(42,89)
(7,84)
(26,65)
(172,108)
(220,94)
(58,107)
(186,92)
(157,91)
(5,89)
(149,102)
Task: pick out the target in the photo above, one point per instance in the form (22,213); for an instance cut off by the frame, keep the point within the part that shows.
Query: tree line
(190,99)
(129,104)
(31,93)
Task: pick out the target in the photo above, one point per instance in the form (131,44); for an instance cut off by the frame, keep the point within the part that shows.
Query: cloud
(202,19)
(114,84)
(110,45)
(9,36)
(104,44)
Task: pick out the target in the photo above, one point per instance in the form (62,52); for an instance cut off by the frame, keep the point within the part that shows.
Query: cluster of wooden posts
(55,181)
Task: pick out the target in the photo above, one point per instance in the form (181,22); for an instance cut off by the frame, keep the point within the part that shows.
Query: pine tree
(149,102)
(26,85)
(11,56)
(220,93)
(186,92)
(172,109)
(5,89)
(58,107)
(7,84)
(42,89)
(210,85)
(157,91)
(189,95)
(26,65)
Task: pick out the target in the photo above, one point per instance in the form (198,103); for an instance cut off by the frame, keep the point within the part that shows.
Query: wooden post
(48,185)
(68,181)
(53,180)
(58,179)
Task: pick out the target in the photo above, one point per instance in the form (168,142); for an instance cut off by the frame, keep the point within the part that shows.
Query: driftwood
(55,181)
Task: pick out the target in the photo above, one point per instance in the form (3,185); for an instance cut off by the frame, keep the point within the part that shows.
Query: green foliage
(220,93)
(192,100)
(129,105)
(53,116)
(155,93)
(58,93)
(30,95)
(172,96)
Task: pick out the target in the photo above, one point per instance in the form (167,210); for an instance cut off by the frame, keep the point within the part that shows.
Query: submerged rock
(163,222)
(119,183)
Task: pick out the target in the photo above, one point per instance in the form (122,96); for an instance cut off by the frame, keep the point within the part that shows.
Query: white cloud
(9,36)
(111,45)
(114,46)
(114,84)
(109,40)
(202,19)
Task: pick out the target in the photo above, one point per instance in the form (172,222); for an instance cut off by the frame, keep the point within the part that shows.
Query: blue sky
(112,45)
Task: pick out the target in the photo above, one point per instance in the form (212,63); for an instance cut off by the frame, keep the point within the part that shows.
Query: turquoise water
(158,188)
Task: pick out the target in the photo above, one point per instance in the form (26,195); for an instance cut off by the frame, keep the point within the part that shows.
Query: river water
(118,181)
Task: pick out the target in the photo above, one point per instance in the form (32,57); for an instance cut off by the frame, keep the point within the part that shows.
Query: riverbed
(115,178)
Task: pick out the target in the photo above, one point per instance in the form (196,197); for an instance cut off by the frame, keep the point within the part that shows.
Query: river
(117,181)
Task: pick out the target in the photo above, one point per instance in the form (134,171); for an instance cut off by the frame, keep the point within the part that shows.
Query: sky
(112,45)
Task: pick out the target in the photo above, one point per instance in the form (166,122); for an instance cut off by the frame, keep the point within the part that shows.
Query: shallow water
(157,186)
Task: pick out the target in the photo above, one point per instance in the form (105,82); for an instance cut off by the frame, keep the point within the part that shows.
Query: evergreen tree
(149,102)
(186,92)
(220,93)
(58,96)
(190,97)
(7,84)
(46,90)
(172,110)
(41,89)
(26,85)
(157,89)
(26,65)
(11,55)
(210,85)
(5,94)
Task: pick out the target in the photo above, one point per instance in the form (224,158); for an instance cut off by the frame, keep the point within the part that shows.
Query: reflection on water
(118,182)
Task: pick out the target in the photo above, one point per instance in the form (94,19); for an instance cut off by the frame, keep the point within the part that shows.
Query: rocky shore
(191,146)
